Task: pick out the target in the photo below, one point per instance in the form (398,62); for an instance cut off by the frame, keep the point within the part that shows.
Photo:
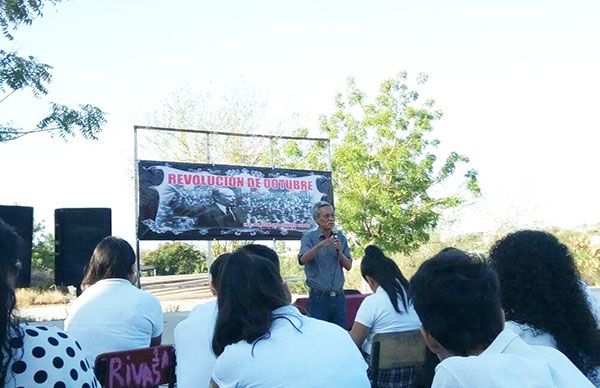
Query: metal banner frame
(208,134)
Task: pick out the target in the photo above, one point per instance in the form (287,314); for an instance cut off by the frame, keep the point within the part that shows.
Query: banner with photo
(183,201)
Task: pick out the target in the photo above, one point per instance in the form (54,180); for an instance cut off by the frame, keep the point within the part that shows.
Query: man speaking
(324,254)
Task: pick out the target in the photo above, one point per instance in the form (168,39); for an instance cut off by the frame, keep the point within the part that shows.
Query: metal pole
(330,164)
(209,255)
(137,207)
(272,140)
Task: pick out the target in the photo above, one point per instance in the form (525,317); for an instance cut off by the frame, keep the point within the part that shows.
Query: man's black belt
(326,293)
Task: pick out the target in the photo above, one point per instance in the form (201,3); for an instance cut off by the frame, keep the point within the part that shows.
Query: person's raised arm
(343,253)
(311,253)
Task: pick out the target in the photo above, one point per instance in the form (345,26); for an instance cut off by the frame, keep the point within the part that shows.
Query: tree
(176,258)
(42,252)
(19,73)
(385,168)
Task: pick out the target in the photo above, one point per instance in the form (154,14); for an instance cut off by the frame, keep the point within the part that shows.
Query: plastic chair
(397,350)
(144,368)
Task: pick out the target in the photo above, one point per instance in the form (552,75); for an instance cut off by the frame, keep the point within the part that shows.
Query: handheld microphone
(334,233)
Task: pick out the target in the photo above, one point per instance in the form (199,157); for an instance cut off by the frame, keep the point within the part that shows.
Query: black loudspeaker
(21,219)
(76,234)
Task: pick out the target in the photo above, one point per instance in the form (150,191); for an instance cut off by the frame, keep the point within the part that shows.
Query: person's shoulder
(553,356)
(444,377)
(563,369)
(530,335)
(48,334)
(341,235)
(204,308)
(236,354)
(143,295)
(211,207)
(327,328)
(458,366)
(370,301)
(198,318)
(143,300)
(310,232)
(310,235)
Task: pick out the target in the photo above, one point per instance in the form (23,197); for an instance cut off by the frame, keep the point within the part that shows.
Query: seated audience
(112,314)
(193,335)
(544,299)
(33,356)
(262,341)
(388,310)
(193,338)
(269,254)
(458,302)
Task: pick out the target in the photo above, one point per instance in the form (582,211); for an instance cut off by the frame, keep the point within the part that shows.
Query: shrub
(176,258)
(42,249)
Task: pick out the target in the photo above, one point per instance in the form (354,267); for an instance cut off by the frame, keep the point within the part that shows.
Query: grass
(34,296)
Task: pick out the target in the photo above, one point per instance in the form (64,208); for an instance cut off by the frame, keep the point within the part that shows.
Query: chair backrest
(398,349)
(145,368)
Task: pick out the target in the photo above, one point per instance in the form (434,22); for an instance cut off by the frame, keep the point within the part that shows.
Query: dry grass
(34,296)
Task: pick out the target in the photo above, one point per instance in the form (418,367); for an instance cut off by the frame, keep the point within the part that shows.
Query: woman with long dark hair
(33,355)
(112,314)
(262,341)
(544,299)
(388,310)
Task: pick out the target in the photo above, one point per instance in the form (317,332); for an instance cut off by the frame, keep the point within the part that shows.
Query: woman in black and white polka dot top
(34,356)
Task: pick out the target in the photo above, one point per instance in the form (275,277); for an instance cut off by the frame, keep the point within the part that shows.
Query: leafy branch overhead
(20,73)
(386,164)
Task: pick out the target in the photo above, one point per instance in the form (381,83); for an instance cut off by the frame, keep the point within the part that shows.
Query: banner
(183,201)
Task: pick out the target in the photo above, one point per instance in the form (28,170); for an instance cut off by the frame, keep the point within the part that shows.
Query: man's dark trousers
(322,305)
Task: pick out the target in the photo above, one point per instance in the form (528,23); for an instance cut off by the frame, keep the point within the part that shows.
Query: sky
(518,83)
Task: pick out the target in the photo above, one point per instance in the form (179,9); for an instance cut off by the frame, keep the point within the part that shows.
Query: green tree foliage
(585,253)
(385,165)
(42,252)
(19,73)
(176,258)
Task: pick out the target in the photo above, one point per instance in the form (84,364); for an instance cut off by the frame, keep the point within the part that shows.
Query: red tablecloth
(352,304)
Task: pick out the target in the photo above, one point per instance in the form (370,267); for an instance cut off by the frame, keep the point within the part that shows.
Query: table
(352,304)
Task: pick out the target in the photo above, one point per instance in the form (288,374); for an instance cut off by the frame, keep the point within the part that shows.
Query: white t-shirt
(318,354)
(47,357)
(114,315)
(377,313)
(510,362)
(193,346)
(534,337)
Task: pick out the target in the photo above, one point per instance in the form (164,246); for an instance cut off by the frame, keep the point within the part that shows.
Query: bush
(293,273)
(585,254)
(42,250)
(176,258)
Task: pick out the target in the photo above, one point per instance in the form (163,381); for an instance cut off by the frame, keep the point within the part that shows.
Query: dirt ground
(178,295)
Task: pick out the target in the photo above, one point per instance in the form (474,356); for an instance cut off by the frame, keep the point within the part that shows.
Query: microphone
(334,233)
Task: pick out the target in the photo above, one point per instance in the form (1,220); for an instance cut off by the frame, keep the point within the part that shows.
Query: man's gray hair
(318,207)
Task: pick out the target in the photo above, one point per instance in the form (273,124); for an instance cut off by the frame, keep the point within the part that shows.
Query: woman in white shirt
(112,314)
(388,310)
(544,299)
(262,341)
